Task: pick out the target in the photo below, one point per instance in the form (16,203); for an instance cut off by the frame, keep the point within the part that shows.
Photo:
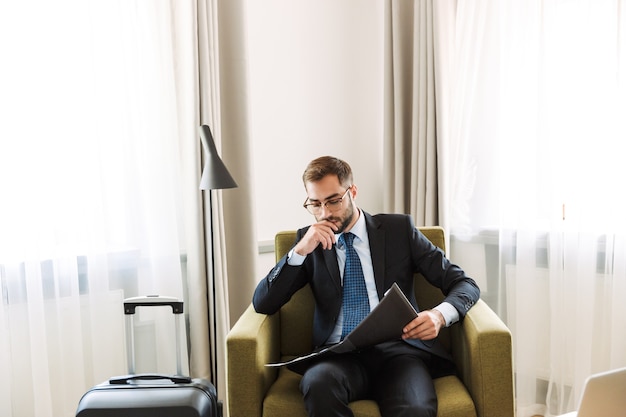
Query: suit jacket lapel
(377,248)
(330,258)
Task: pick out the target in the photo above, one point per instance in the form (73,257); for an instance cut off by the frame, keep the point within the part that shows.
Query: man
(348,255)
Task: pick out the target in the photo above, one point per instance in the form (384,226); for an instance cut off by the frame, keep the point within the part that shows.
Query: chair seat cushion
(285,400)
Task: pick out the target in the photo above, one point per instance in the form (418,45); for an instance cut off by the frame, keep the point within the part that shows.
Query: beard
(342,221)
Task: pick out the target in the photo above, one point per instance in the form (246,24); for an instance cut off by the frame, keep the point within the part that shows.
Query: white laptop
(604,395)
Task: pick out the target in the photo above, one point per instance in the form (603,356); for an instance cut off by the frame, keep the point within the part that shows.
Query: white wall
(316,84)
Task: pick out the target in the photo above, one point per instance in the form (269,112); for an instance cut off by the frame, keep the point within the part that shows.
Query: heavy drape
(429,87)
(410,140)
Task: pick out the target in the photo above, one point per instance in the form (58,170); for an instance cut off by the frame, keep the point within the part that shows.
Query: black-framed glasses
(332,205)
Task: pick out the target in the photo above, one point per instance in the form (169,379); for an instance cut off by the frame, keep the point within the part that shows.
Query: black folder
(384,323)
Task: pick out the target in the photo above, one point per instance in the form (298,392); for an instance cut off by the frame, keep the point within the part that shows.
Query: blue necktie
(356,303)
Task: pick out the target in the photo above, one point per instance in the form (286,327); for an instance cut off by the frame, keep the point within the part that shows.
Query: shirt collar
(359,229)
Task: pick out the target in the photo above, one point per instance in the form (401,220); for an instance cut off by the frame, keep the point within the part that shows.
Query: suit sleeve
(279,285)
(459,290)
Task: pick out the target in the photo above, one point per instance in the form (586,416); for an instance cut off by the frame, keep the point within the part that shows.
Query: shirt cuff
(450,314)
(295,259)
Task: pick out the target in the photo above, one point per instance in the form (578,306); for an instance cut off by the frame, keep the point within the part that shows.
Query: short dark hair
(328,165)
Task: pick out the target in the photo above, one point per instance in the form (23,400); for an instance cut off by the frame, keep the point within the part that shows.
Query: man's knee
(323,379)
(324,392)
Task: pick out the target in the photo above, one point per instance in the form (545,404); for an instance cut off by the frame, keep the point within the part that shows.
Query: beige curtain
(410,134)
(241,246)
(220,81)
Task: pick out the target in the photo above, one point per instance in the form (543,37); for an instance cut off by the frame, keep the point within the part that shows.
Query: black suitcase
(150,395)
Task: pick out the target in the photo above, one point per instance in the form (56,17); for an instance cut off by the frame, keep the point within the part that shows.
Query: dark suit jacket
(398,251)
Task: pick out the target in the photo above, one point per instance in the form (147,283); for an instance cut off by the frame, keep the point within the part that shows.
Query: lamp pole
(215,176)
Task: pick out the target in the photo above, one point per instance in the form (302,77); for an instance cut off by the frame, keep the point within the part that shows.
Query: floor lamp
(215,176)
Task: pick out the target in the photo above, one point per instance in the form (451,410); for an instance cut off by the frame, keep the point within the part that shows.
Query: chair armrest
(252,342)
(484,358)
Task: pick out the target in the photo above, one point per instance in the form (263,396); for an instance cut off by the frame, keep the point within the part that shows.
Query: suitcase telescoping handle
(130,305)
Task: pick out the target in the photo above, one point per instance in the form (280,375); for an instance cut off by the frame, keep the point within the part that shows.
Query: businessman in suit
(396,374)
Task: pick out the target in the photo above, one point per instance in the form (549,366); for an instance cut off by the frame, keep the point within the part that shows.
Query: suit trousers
(394,374)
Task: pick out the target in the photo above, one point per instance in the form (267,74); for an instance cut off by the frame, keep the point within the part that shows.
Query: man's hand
(320,233)
(425,326)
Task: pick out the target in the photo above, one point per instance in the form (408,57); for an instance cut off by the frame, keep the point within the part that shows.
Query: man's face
(328,189)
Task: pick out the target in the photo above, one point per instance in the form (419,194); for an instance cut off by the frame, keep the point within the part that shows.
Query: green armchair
(480,345)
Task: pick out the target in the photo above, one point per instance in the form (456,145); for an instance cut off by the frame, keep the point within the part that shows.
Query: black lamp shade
(215,176)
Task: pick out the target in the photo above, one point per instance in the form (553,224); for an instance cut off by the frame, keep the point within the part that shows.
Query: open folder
(384,323)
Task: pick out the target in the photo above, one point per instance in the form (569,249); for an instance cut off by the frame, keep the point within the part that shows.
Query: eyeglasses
(331,205)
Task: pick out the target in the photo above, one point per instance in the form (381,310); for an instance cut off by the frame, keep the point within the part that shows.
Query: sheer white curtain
(92,134)
(544,135)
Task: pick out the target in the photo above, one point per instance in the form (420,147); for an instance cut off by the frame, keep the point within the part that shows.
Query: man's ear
(354,191)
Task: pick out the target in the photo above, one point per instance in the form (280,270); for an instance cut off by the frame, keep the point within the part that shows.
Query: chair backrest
(296,317)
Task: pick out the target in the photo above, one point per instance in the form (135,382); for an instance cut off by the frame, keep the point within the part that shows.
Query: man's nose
(324,210)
